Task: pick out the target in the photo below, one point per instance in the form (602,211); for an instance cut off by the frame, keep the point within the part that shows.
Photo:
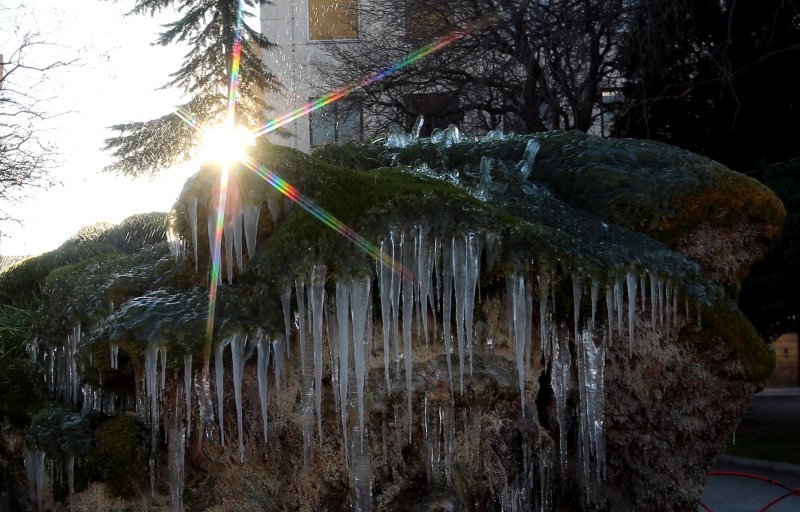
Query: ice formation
(334,334)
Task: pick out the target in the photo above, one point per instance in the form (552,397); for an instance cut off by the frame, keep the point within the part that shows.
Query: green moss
(119,456)
(724,324)
(645,186)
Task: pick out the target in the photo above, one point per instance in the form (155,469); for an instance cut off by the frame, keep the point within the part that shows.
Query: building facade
(787,362)
(300,30)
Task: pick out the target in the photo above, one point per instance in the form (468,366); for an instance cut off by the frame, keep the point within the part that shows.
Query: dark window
(427,19)
(337,122)
(440,109)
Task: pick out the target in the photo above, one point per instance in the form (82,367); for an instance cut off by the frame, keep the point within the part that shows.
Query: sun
(225,144)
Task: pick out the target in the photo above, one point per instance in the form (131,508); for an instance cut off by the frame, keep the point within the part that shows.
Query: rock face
(509,323)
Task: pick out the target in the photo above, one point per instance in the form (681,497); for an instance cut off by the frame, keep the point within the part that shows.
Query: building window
(427,19)
(337,122)
(331,20)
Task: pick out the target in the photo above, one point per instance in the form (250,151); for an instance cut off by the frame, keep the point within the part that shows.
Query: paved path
(738,494)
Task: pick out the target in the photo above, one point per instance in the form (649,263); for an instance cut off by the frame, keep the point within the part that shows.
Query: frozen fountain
(517,322)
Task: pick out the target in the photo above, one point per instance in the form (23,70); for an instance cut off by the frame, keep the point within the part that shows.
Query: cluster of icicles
(333,336)
(242,213)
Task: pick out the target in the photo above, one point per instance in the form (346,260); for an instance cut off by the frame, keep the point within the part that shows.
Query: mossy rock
(61,432)
(667,193)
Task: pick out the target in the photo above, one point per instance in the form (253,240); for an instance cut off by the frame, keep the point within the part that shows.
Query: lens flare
(216,258)
(224,144)
(326,217)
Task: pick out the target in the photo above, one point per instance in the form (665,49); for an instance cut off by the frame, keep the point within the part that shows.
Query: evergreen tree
(208,26)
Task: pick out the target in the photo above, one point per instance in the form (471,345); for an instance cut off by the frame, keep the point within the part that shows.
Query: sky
(114,80)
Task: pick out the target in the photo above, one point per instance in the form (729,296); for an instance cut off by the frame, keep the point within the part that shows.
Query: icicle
(278,357)
(531,150)
(661,300)
(515,283)
(643,289)
(286,303)
(263,362)
(317,309)
(653,301)
(397,279)
(238,342)
(493,250)
(618,302)
(424,260)
(675,307)
(544,335)
(251,211)
(360,299)
(591,362)
(407,250)
(151,382)
(211,217)
(343,334)
(631,310)
(177,446)
(560,382)
(163,356)
(451,136)
(577,293)
(528,331)
(34,471)
(610,310)
(274,201)
(236,225)
(191,208)
(306,374)
(227,235)
(668,303)
(473,262)
(417,128)
(460,279)
(187,390)
(300,292)
(114,352)
(486,169)
(72,384)
(333,354)
(219,375)
(385,271)
(447,299)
